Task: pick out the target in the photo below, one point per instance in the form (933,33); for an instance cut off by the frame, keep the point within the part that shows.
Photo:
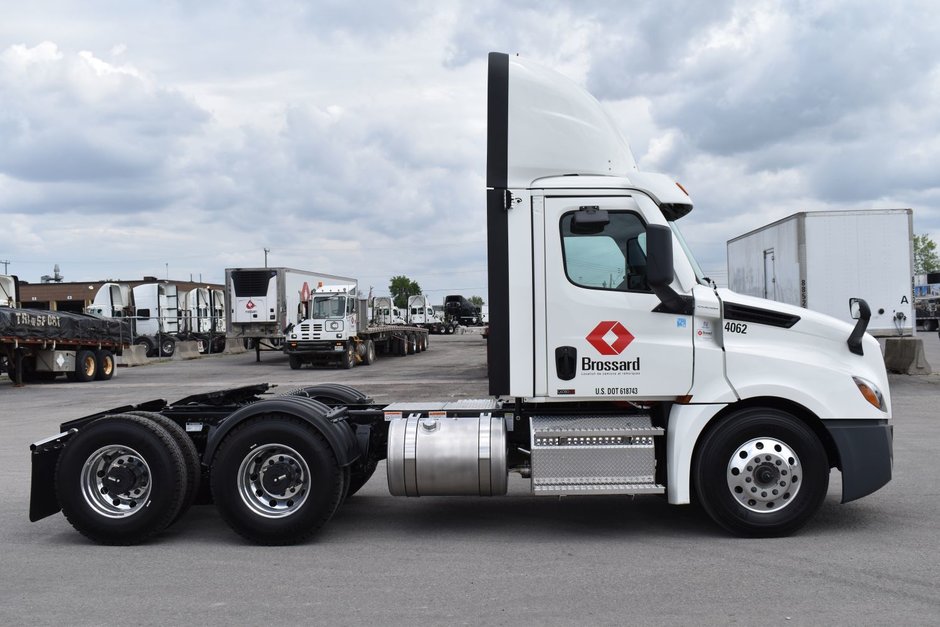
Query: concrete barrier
(186,350)
(905,355)
(134,355)
(234,347)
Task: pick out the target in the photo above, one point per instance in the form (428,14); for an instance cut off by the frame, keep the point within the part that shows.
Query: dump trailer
(819,259)
(338,331)
(40,345)
(264,303)
(615,368)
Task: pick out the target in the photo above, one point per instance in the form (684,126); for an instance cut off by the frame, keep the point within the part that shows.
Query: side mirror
(589,221)
(659,268)
(859,309)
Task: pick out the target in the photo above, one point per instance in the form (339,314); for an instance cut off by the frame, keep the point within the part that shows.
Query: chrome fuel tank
(439,456)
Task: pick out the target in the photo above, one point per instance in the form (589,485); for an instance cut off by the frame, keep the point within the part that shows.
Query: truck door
(603,337)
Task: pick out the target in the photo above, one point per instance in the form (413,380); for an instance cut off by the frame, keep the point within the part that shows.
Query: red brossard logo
(610,338)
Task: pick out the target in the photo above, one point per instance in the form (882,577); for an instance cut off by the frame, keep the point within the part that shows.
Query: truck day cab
(615,368)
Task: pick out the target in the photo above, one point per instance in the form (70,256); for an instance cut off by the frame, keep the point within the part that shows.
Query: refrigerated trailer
(652,383)
(265,303)
(820,259)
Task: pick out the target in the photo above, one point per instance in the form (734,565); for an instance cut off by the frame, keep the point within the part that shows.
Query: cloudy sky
(181,138)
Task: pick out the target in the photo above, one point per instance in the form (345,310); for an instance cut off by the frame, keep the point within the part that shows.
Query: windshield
(328,307)
(688,253)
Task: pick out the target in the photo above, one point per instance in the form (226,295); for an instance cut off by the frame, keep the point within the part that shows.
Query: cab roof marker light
(684,191)
(871,393)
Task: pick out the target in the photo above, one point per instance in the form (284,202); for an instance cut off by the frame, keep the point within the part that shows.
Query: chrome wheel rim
(274,480)
(116,481)
(764,475)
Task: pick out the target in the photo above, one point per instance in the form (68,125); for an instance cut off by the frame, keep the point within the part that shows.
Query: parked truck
(656,384)
(384,312)
(157,321)
(264,303)
(422,314)
(202,318)
(338,331)
(819,259)
(460,310)
(40,345)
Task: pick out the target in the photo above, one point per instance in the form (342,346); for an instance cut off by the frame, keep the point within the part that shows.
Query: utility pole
(266,251)
(6,263)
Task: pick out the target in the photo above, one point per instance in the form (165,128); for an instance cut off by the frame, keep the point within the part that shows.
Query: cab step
(594,455)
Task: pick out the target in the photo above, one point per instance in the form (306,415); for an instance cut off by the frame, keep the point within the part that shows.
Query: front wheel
(761,472)
(275,480)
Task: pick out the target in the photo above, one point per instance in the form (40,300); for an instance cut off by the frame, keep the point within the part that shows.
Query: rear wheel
(86,366)
(294,361)
(368,357)
(148,345)
(275,480)
(190,457)
(105,360)
(761,472)
(121,479)
(167,347)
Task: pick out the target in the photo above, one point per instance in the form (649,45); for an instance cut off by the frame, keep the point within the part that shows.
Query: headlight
(871,393)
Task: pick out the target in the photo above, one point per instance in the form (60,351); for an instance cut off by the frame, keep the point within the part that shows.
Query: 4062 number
(736,327)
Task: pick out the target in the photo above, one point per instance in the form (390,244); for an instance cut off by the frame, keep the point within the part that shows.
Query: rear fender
(331,424)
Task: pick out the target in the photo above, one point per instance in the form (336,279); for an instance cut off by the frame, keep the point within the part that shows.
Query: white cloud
(353,140)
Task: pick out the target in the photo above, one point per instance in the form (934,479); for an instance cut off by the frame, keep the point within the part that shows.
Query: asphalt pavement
(518,559)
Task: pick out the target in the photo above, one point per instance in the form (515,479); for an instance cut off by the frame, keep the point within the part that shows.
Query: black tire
(288,446)
(152,491)
(411,344)
(190,457)
(295,362)
(761,472)
(369,357)
(86,366)
(167,347)
(349,357)
(106,365)
(359,477)
(148,345)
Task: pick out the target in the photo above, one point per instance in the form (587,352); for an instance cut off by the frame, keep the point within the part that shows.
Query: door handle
(566,362)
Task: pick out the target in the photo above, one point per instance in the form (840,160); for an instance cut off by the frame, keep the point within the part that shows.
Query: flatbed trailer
(40,345)
(306,345)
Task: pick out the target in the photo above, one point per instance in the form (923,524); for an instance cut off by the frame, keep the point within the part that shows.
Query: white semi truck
(655,383)
(422,314)
(202,316)
(338,330)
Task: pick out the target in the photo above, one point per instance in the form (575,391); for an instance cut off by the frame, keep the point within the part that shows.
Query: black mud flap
(45,456)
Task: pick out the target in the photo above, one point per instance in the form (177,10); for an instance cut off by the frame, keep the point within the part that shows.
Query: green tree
(401,287)
(925,255)
(476,300)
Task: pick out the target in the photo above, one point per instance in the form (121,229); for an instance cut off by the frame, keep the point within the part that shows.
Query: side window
(143,314)
(611,256)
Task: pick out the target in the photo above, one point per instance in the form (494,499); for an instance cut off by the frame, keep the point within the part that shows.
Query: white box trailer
(820,259)
(263,303)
